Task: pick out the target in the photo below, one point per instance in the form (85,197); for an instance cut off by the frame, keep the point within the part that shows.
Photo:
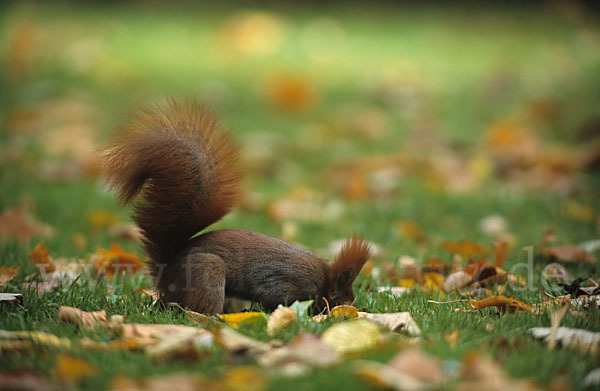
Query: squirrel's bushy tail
(185,168)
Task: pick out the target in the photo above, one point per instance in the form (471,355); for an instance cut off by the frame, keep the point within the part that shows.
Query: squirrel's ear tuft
(355,252)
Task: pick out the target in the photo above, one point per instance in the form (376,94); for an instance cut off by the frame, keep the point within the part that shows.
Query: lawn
(416,127)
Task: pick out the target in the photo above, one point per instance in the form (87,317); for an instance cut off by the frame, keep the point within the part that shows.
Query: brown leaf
(480,373)
(16,223)
(80,317)
(304,349)
(395,321)
(244,378)
(153,293)
(39,255)
(500,250)
(7,274)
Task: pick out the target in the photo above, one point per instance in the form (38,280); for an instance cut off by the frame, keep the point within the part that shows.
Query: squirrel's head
(345,268)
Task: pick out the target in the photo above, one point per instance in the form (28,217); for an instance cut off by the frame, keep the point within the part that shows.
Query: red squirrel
(187,172)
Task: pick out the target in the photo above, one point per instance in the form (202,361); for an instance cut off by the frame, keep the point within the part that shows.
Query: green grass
(449,62)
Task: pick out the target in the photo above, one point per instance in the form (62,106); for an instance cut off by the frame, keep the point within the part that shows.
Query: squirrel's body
(188,174)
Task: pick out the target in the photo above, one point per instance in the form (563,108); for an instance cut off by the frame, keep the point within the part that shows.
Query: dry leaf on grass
(39,255)
(12,298)
(565,252)
(17,223)
(79,317)
(244,378)
(352,336)
(236,320)
(457,280)
(174,381)
(397,321)
(26,340)
(586,341)
(409,370)
(500,302)
(280,319)
(344,311)
(73,368)
(305,349)
(190,345)
(7,274)
(480,373)
(152,293)
(234,342)
(115,261)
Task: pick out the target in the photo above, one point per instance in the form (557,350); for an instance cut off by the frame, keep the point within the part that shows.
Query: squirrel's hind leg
(204,289)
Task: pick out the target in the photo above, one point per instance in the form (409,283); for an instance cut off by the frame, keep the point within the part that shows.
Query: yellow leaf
(235,320)
(72,368)
(7,274)
(344,311)
(244,378)
(407,283)
(39,255)
(352,336)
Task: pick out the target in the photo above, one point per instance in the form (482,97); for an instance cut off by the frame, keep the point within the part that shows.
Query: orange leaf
(39,255)
(116,260)
(17,223)
(466,248)
(500,302)
(344,311)
(72,368)
(7,274)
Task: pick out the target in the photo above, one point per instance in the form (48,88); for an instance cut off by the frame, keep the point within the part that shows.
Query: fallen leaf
(188,344)
(7,274)
(480,373)
(26,340)
(566,252)
(465,248)
(152,293)
(126,231)
(344,311)
(281,318)
(457,280)
(233,341)
(586,341)
(244,378)
(396,321)
(17,223)
(252,32)
(500,250)
(73,368)
(12,298)
(409,370)
(79,317)
(115,261)
(352,336)
(101,220)
(39,255)
(305,349)
(555,318)
(500,302)
(235,320)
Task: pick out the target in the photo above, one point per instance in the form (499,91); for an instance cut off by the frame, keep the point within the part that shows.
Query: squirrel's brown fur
(188,175)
